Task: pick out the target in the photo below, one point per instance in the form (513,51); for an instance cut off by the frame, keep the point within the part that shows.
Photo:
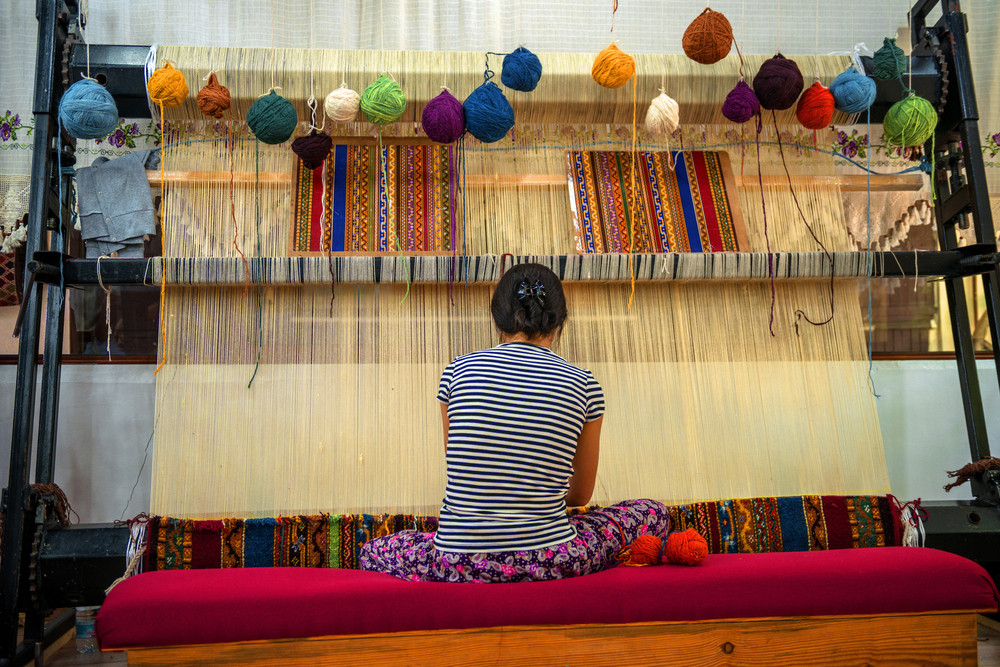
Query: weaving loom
(703,402)
(307,316)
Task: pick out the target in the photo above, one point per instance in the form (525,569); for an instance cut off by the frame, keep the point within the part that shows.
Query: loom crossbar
(438,269)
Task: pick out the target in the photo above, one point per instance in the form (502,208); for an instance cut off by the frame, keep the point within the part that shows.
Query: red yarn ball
(815,109)
(686,548)
(778,83)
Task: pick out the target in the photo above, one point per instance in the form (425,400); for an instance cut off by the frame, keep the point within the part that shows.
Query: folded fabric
(116,207)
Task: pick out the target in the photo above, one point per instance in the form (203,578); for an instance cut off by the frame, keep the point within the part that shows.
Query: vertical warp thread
(257,277)
(868,251)
(163,242)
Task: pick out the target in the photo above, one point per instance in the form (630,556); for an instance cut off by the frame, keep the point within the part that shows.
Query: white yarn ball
(663,116)
(342,104)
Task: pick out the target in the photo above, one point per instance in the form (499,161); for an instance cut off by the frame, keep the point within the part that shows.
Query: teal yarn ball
(488,114)
(909,122)
(521,70)
(272,119)
(889,62)
(87,110)
(853,92)
(383,102)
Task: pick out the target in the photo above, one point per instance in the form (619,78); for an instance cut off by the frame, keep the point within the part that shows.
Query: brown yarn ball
(213,98)
(709,38)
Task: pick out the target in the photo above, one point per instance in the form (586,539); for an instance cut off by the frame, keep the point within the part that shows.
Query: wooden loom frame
(924,638)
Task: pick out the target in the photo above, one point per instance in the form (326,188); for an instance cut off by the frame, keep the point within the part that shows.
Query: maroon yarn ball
(741,103)
(443,118)
(778,83)
(313,148)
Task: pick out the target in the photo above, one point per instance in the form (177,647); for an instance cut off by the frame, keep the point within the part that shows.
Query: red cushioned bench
(908,605)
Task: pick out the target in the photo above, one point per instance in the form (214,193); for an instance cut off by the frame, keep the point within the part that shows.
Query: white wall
(106,418)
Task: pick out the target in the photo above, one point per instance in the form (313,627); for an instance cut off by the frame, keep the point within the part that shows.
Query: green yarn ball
(889,62)
(272,119)
(909,122)
(383,102)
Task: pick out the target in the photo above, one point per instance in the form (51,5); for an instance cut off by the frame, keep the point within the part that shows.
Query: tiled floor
(66,655)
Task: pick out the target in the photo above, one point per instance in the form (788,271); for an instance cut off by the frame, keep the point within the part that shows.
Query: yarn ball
(87,110)
(383,101)
(644,550)
(741,103)
(613,67)
(272,118)
(889,62)
(213,98)
(685,548)
(521,70)
(488,114)
(342,104)
(778,83)
(815,109)
(663,115)
(443,118)
(709,38)
(313,148)
(167,86)
(909,122)
(853,92)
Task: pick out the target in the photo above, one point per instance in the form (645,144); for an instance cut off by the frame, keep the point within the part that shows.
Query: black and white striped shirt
(515,413)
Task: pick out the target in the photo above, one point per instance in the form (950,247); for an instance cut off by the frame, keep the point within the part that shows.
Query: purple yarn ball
(443,118)
(741,103)
(778,83)
(313,149)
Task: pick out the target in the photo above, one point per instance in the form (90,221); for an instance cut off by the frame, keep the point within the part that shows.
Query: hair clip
(526,292)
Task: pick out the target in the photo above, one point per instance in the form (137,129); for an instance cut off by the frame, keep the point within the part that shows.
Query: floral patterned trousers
(601,534)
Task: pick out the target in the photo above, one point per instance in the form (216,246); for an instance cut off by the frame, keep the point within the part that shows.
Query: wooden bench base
(945,638)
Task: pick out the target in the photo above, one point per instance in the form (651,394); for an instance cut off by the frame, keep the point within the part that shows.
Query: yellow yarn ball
(613,67)
(167,86)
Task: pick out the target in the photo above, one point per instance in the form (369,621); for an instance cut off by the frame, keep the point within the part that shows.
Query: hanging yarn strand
(167,88)
(798,312)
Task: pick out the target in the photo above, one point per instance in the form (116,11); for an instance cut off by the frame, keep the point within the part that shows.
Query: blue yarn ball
(488,114)
(272,119)
(853,92)
(88,111)
(521,70)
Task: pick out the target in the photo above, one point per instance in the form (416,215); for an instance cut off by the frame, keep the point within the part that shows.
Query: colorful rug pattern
(794,523)
(359,203)
(670,202)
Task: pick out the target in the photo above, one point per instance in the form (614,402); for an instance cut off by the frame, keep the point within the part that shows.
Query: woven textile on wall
(9,293)
(669,202)
(792,523)
(360,204)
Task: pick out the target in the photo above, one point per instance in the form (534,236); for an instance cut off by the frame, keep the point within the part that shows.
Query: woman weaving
(522,434)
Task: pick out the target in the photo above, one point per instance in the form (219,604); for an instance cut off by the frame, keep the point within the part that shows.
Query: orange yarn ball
(709,38)
(213,98)
(167,87)
(686,548)
(613,67)
(644,550)
(815,109)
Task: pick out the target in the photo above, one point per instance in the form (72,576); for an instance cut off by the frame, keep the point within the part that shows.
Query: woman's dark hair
(529,299)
